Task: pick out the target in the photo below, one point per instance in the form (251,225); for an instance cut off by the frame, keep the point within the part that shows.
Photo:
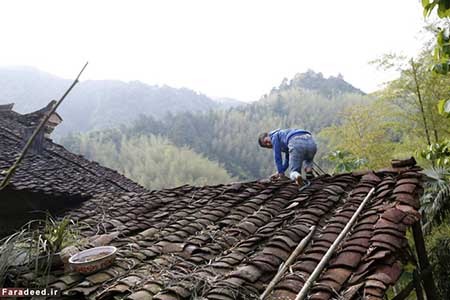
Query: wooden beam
(424,264)
(300,247)
(401,163)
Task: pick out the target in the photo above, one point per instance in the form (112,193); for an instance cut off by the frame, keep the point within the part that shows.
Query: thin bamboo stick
(316,273)
(9,174)
(323,172)
(300,247)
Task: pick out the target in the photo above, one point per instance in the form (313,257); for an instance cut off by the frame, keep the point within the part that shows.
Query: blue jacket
(280,139)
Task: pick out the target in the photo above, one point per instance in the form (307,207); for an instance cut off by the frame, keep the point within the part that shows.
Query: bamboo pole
(300,247)
(316,273)
(9,174)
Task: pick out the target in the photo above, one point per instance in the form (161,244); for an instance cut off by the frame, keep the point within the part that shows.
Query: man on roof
(299,148)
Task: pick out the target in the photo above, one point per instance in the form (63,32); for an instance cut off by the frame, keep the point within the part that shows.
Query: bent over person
(299,148)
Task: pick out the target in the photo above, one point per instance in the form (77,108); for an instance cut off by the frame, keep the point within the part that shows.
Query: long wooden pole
(300,247)
(403,294)
(11,171)
(316,273)
(428,283)
(418,285)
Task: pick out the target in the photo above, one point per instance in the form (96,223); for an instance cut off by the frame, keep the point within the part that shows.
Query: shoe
(299,180)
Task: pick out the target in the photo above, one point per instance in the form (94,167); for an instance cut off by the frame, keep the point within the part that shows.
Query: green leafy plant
(345,161)
(443,7)
(437,153)
(442,58)
(8,253)
(444,107)
(436,199)
(36,246)
(442,49)
(58,233)
(441,53)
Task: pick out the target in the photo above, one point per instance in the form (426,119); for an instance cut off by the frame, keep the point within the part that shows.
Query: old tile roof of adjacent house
(55,171)
(228,241)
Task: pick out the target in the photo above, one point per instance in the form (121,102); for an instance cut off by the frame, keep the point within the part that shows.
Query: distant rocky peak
(315,81)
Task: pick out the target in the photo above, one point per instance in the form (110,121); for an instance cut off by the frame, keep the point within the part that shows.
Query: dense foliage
(402,120)
(152,161)
(441,53)
(345,161)
(438,242)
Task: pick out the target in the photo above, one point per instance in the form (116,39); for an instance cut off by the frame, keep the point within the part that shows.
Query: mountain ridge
(101,104)
(97,104)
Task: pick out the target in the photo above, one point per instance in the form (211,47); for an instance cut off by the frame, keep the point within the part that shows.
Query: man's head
(264,140)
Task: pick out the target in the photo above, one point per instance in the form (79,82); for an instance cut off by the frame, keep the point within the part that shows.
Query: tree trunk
(419,97)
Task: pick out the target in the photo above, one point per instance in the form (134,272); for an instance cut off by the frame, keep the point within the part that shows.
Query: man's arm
(286,162)
(277,154)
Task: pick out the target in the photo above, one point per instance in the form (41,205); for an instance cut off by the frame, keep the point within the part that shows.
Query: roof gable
(55,170)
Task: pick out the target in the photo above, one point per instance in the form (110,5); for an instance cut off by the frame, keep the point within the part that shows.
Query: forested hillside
(98,104)
(229,137)
(153,161)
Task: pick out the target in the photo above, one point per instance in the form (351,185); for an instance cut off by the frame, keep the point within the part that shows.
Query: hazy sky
(230,48)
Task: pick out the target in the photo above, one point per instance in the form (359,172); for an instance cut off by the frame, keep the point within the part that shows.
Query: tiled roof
(228,241)
(55,171)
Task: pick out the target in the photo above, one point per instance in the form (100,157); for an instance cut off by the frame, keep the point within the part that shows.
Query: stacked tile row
(381,266)
(237,242)
(291,284)
(307,209)
(183,214)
